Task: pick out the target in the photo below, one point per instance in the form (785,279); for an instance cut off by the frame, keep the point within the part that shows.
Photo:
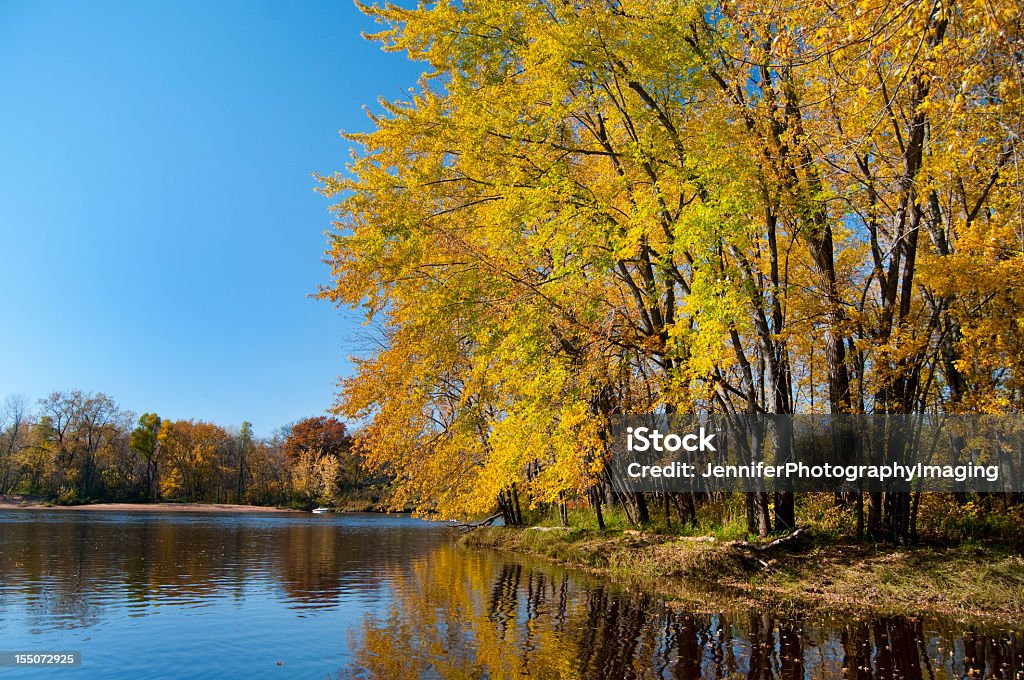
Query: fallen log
(469,526)
(746,545)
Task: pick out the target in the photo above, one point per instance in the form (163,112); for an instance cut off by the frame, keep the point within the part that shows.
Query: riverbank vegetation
(593,209)
(961,570)
(75,447)
(473,614)
(975,582)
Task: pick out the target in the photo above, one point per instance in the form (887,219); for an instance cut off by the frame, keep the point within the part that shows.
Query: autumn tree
(325,435)
(145,441)
(83,430)
(195,455)
(313,439)
(14,438)
(243,446)
(625,207)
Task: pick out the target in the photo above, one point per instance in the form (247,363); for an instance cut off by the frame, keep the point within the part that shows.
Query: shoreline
(22,503)
(967,583)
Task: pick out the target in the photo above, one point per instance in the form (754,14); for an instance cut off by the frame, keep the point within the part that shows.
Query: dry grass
(964,582)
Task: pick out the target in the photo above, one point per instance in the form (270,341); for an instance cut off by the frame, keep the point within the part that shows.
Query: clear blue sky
(159,231)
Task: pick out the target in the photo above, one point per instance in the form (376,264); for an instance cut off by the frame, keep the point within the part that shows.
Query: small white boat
(320,511)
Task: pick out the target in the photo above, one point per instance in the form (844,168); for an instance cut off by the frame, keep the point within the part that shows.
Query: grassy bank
(814,573)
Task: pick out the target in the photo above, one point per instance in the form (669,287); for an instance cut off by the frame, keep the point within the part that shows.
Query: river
(288,595)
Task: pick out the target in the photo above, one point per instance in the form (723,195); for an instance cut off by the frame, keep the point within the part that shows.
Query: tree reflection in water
(463,614)
(69,569)
(440,611)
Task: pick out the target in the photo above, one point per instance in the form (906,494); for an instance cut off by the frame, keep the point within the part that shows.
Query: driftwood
(469,526)
(746,545)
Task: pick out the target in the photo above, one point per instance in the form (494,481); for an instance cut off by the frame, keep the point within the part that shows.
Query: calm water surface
(159,595)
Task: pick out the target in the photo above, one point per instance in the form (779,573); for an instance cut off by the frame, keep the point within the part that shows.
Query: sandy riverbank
(39,503)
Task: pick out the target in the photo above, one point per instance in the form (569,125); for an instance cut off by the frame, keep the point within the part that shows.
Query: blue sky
(159,229)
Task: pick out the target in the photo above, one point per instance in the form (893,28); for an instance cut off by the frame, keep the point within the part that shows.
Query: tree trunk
(595,499)
(643,515)
(515,505)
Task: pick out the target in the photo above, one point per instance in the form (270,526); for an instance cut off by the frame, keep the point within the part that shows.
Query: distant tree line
(77,447)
